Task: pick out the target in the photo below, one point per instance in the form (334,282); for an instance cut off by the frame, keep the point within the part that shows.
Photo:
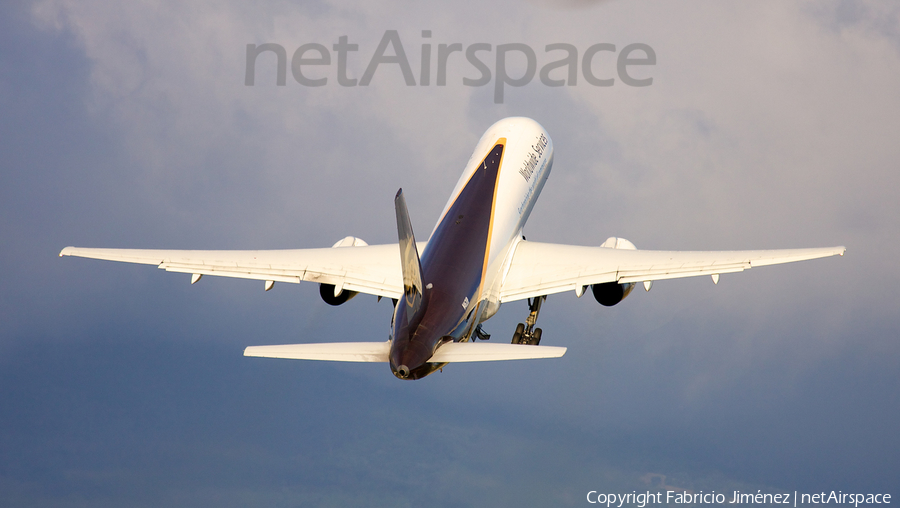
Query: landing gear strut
(526,333)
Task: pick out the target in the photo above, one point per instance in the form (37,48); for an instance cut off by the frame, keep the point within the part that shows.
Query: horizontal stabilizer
(333,351)
(482,352)
(379,351)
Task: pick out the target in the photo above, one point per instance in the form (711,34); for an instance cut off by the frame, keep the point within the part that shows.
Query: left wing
(539,269)
(370,269)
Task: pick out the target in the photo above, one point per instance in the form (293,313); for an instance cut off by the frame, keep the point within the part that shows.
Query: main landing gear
(526,333)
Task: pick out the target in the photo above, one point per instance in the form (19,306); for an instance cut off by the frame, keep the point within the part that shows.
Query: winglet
(409,257)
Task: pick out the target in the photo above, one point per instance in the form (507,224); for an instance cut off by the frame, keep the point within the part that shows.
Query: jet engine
(329,292)
(611,293)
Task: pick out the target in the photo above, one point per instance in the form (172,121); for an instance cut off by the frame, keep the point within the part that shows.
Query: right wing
(370,269)
(539,269)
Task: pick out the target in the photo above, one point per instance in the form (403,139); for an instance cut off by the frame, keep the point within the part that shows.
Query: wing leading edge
(539,269)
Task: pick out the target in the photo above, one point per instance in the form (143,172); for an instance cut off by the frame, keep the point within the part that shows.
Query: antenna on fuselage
(409,258)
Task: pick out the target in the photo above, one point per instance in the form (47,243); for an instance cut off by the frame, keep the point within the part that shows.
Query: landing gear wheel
(536,337)
(517,337)
(526,333)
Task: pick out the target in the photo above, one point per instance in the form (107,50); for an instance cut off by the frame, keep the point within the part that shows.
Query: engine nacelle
(611,293)
(326,291)
(349,241)
(329,292)
(618,243)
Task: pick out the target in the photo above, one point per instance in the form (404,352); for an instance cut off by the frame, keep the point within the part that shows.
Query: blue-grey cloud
(768,125)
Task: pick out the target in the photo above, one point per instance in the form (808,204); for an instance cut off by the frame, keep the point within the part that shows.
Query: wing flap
(675,273)
(221,271)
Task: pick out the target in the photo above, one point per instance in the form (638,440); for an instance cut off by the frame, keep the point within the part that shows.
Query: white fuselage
(527,161)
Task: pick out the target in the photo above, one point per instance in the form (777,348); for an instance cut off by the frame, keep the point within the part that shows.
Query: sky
(767,125)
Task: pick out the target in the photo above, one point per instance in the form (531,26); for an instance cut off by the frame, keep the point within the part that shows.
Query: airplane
(475,260)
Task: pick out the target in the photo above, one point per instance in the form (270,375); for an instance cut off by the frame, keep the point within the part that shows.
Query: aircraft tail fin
(409,258)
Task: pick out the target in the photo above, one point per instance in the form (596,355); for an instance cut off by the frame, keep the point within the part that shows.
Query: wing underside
(370,269)
(539,269)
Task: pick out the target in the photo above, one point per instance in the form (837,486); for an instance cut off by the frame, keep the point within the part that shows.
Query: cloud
(767,125)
